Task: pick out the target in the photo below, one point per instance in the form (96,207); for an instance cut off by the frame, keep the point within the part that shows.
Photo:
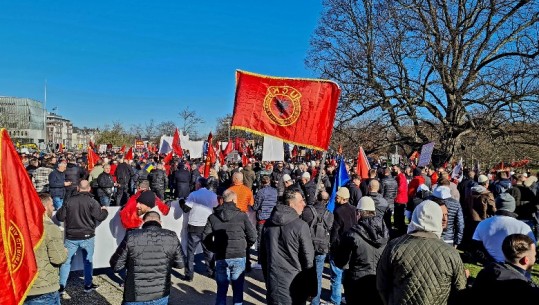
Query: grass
(475,268)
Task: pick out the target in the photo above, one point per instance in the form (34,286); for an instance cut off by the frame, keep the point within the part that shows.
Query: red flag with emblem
(300,111)
(21,225)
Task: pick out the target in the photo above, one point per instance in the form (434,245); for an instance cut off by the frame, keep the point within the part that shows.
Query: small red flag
(176,147)
(301,111)
(167,160)
(129,155)
(363,165)
(92,159)
(229,148)
(91,144)
(210,156)
(295,151)
(122,150)
(21,225)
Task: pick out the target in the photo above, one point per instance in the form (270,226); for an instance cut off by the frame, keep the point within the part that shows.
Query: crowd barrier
(110,233)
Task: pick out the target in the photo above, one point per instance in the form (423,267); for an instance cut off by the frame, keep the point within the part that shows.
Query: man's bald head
(374,185)
(84,186)
(237,178)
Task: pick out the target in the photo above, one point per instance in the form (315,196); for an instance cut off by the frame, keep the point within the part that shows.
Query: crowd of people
(397,237)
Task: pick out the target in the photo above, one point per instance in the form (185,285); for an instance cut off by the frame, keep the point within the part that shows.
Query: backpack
(319,231)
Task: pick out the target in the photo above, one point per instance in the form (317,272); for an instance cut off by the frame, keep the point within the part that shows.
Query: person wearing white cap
(454,232)
(309,188)
(418,267)
(360,248)
(345,218)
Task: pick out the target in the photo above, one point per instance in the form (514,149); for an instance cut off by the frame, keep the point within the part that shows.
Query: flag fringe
(286,78)
(287,141)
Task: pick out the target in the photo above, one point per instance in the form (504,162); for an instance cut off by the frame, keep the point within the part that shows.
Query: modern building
(24,119)
(59,131)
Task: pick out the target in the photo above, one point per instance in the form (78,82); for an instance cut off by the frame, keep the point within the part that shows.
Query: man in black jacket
(287,254)
(309,188)
(57,184)
(360,248)
(227,234)
(149,254)
(509,282)
(345,218)
(158,181)
(73,174)
(80,213)
(124,173)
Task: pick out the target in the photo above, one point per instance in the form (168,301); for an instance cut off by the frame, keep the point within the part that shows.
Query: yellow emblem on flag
(282,105)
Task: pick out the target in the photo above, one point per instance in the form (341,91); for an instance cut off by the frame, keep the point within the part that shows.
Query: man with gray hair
(228,233)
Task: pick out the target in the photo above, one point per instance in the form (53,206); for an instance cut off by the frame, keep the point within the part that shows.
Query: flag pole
(322,167)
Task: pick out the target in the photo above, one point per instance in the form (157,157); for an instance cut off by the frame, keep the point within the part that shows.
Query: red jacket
(414,184)
(128,214)
(402,191)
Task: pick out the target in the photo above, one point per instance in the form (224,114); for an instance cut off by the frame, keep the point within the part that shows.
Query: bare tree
(190,121)
(150,130)
(137,130)
(454,66)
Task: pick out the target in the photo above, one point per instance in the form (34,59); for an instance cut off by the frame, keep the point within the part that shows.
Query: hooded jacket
(482,205)
(361,247)
(287,258)
(81,214)
(228,232)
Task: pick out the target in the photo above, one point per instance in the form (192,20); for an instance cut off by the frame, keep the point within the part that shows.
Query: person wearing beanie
(418,267)
(131,215)
(360,248)
(344,219)
(490,233)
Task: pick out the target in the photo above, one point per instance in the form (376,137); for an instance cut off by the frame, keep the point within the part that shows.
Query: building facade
(59,131)
(24,119)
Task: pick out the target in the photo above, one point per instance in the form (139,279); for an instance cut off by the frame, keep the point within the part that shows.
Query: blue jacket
(56,184)
(265,200)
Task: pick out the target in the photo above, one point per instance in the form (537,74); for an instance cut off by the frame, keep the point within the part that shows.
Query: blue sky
(131,61)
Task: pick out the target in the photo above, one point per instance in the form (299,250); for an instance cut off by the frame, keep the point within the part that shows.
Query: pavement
(200,291)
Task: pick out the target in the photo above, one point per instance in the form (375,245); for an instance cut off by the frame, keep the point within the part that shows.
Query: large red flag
(21,225)
(129,155)
(301,111)
(363,165)
(176,147)
(92,158)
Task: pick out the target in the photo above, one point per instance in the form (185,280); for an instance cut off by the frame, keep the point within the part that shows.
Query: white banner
(273,149)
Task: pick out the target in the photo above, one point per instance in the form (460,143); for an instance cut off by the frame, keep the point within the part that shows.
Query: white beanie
(427,217)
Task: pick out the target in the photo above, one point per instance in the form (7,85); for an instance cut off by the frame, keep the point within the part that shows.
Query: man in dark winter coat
(73,174)
(106,184)
(509,282)
(182,181)
(326,218)
(265,200)
(158,181)
(345,218)
(287,254)
(389,187)
(57,185)
(149,254)
(354,189)
(124,173)
(227,234)
(360,248)
(81,214)
(382,206)
(309,188)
